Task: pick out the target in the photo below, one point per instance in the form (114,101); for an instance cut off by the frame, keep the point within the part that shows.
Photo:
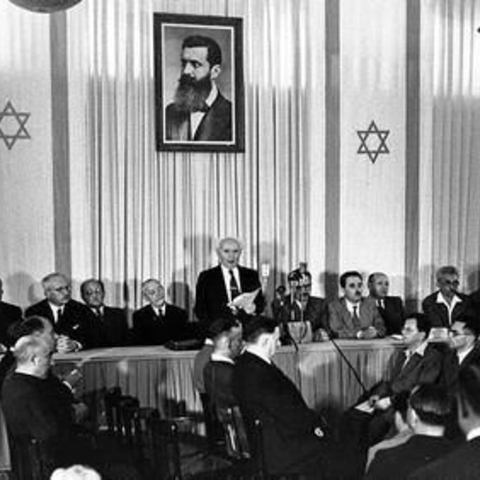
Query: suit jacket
(148,329)
(211,295)
(462,463)
(418,369)
(216,125)
(437,313)
(341,322)
(264,392)
(9,314)
(315,312)
(393,314)
(42,409)
(201,359)
(110,329)
(76,321)
(399,462)
(218,376)
(451,367)
(475,302)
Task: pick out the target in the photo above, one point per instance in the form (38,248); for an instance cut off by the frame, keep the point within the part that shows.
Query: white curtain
(27,247)
(450,176)
(137,213)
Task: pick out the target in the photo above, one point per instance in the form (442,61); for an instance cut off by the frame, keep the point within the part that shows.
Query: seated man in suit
(37,405)
(300,305)
(70,319)
(429,407)
(110,328)
(390,308)
(218,372)
(294,435)
(218,287)
(9,314)
(465,349)
(445,305)
(354,316)
(372,417)
(199,112)
(463,463)
(158,322)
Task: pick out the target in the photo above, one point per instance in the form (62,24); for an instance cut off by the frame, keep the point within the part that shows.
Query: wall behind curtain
(137,213)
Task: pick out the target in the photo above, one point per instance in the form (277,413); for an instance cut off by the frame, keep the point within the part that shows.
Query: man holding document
(228,289)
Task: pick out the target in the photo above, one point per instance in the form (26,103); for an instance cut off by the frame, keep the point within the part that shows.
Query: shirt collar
(218,357)
(258,352)
(350,305)
(441,299)
(212,96)
(474,433)
(420,350)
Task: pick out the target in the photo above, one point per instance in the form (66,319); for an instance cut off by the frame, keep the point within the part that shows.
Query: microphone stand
(347,361)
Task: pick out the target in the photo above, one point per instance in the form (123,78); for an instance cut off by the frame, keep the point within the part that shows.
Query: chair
(170,464)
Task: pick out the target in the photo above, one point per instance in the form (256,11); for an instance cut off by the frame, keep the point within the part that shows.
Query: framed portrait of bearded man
(199,83)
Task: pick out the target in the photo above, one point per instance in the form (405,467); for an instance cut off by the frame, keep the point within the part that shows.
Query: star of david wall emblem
(12,125)
(373,141)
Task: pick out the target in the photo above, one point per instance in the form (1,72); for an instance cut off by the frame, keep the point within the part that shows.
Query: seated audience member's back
(463,463)
(294,437)
(36,404)
(429,407)
(218,372)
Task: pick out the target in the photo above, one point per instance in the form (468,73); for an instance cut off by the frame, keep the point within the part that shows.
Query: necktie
(98,313)
(59,315)
(234,290)
(380,304)
(356,319)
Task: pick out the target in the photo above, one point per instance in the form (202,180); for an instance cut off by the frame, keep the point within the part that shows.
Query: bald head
(229,251)
(378,284)
(153,292)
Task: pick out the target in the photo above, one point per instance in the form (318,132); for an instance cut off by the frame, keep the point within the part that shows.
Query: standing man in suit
(9,314)
(70,319)
(446,305)
(429,407)
(390,308)
(219,286)
(354,316)
(462,463)
(158,322)
(294,435)
(110,328)
(199,112)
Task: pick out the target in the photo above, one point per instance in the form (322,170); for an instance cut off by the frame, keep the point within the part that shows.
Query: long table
(162,378)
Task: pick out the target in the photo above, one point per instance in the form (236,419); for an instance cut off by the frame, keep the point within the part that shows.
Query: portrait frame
(223,118)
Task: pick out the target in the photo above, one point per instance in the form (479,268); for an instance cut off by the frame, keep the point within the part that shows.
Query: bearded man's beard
(191,94)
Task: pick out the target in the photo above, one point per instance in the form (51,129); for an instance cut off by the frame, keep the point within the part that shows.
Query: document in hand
(245,301)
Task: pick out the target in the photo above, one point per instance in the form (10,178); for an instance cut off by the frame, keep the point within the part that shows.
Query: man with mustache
(199,111)
(354,316)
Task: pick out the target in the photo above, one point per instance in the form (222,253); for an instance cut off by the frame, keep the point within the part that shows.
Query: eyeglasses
(454,333)
(65,288)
